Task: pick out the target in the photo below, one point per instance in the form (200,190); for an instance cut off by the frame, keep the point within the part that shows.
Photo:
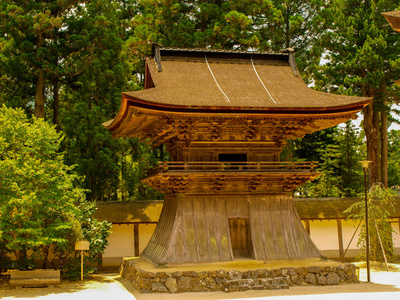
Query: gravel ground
(111,286)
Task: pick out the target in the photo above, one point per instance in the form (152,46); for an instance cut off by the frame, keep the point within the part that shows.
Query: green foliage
(91,51)
(94,231)
(35,32)
(380,206)
(362,58)
(38,191)
(338,153)
(299,25)
(94,98)
(362,50)
(394,158)
(135,159)
(41,205)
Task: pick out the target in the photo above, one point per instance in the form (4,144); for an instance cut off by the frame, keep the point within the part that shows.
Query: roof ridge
(282,52)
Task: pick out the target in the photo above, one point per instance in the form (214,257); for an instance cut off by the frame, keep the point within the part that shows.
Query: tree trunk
(56,105)
(372,135)
(348,155)
(39,97)
(384,146)
(377,123)
(287,26)
(46,250)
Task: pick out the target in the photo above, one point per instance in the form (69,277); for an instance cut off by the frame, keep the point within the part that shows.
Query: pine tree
(338,154)
(362,54)
(33,30)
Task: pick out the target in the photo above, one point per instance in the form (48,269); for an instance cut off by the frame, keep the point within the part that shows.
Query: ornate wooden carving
(216,129)
(254,183)
(230,182)
(218,183)
(169,184)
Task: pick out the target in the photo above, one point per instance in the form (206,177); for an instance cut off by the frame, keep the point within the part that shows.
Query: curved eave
(393,17)
(129,101)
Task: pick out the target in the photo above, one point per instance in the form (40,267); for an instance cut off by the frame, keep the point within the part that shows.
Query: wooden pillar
(136,238)
(307,226)
(340,238)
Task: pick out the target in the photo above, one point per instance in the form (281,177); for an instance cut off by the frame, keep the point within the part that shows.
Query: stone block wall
(231,281)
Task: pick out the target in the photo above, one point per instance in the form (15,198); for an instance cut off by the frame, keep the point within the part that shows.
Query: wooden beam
(136,238)
(307,226)
(340,238)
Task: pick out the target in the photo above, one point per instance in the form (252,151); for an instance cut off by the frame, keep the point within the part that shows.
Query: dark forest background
(68,61)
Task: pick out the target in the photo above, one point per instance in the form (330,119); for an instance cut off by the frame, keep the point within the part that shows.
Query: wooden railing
(179,166)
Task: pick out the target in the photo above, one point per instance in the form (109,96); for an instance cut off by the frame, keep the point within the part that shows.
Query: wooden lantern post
(82,246)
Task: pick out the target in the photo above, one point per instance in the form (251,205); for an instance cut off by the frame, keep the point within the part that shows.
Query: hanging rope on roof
(258,76)
(212,74)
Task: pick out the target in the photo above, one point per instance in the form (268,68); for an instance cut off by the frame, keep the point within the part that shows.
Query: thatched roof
(149,211)
(228,82)
(393,18)
(232,79)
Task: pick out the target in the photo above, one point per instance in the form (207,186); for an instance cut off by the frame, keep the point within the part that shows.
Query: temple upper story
(197,96)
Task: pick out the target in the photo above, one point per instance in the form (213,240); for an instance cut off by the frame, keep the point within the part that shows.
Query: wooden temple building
(225,116)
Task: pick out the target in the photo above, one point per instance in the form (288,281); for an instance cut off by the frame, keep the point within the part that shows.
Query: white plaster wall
(324,234)
(120,241)
(396,233)
(348,229)
(145,233)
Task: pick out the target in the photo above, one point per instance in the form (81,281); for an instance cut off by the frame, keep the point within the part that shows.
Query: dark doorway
(233,161)
(239,231)
(230,157)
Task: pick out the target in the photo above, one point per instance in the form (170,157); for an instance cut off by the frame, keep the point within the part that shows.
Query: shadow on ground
(66,287)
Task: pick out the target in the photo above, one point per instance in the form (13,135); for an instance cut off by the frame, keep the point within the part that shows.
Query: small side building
(133,224)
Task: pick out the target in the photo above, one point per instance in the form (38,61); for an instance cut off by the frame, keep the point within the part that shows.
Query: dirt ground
(384,285)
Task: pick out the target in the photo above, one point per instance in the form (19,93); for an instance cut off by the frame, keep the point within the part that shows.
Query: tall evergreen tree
(299,27)
(338,154)
(94,98)
(32,29)
(362,59)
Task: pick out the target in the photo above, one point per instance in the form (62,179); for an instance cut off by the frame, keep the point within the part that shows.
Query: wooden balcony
(206,167)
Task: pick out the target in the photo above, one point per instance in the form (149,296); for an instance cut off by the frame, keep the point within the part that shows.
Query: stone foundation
(180,281)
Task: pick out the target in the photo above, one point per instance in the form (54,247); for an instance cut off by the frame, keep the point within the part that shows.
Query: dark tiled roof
(323,208)
(129,212)
(329,208)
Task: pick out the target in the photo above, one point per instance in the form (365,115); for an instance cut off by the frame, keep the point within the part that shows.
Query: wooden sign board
(82,245)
